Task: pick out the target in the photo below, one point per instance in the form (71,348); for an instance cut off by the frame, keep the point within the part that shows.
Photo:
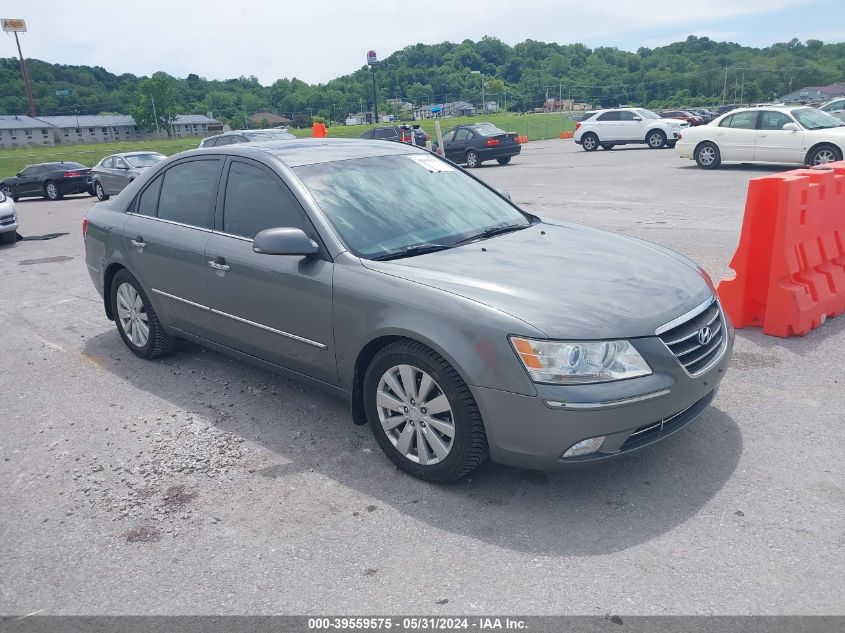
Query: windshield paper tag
(431,163)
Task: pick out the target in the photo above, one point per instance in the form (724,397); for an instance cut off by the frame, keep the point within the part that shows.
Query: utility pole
(742,88)
(19,26)
(155,116)
(725,87)
(372,61)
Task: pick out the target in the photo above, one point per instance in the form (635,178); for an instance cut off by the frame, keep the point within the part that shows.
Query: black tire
(9,237)
(469,446)
(99,191)
(590,142)
(158,342)
(655,139)
(671,144)
(607,146)
(503,161)
(471,159)
(823,154)
(51,191)
(707,155)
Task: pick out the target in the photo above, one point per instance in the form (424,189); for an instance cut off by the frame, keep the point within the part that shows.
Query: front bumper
(535,431)
(8,217)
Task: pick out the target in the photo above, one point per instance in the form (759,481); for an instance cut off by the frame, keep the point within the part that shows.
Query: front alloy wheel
(656,139)
(415,414)
(472,159)
(422,413)
(823,155)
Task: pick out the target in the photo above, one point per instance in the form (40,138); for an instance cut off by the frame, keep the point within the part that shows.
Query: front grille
(684,340)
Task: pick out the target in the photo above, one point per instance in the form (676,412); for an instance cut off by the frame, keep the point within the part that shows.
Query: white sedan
(769,134)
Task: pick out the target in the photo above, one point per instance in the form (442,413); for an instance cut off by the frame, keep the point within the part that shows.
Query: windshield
(384,204)
(269,135)
(647,114)
(144,160)
(813,119)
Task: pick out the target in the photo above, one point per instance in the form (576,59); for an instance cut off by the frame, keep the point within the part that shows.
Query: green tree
(156,103)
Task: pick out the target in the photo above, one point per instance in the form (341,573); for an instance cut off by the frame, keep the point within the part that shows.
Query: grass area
(13,160)
(534,126)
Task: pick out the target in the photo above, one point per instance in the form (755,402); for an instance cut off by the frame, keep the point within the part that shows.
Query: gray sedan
(458,326)
(113,173)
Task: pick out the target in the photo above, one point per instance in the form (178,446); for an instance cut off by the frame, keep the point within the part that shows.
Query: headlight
(579,362)
(2,197)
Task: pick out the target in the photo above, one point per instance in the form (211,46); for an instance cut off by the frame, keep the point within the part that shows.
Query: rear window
(488,129)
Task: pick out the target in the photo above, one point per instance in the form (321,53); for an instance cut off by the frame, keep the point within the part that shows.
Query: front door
(776,145)
(275,307)
(29,182)
(166,236)
(456,150)
(630,127)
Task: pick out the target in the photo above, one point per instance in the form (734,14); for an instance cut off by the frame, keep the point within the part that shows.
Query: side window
(256,200)
(367,134)
(741,120)
(608,116)
(187,192)
(391,133)
(210,142)
(119,163)
(774,121)
(108,163)
(447,138)
(148,201)
(626,116)
(726,122)
(379,133)
(470,135)
(461,135)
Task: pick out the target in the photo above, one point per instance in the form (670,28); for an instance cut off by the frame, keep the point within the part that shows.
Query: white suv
(622,126)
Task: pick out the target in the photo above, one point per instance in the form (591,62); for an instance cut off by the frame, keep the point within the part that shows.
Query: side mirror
(636,118)
(19,174)
(791,127)
(124,167)
(284,241)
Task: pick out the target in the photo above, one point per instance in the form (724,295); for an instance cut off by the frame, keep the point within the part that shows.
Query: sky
(320,41)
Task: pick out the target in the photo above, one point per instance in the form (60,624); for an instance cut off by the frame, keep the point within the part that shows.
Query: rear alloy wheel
(423,414)
(472,159)
(503,161)
(590,142)
(607,145)
(822,155)
(136,319)
(707,156)
(51,191)
(656,139)
(99,191)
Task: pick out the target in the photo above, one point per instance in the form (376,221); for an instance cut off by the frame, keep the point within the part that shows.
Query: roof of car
(310,151)
(136,153)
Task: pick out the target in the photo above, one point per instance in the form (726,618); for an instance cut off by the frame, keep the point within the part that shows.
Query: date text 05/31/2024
(416,623)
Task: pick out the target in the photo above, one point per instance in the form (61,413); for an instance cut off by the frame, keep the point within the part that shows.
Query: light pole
(483,102)
(372,61)
(19,26)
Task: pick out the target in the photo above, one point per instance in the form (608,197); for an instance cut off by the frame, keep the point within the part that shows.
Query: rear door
(606,125)
(776,145)
(456,150)
(274,307)
(122,174)
(169,224)
(736,136)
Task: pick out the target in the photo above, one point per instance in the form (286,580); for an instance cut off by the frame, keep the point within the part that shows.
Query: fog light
(584,447)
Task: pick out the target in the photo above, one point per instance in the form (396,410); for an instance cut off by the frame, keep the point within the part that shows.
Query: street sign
(372,58)
(13,25)
(66,92)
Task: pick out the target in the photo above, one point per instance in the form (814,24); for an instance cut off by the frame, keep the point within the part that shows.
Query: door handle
(219,264)
(139,242)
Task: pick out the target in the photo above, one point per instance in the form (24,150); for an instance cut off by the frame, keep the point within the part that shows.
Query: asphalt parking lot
(198,484)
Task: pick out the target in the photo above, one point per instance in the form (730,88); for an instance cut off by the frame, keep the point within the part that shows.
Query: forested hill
(524,74)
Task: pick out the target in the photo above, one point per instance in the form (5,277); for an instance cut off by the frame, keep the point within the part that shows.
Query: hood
(566,280)
(681,122)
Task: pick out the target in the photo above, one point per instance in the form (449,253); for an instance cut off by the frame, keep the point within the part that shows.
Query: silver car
(246,136)
(458,326)
(111,175)
(8,220)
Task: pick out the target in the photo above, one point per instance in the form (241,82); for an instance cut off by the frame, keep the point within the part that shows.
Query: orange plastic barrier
(521,139)
(567,134)
(318,130)
(790,262)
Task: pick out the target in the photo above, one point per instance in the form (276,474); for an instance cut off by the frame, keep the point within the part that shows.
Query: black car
(48,180)
(473,144)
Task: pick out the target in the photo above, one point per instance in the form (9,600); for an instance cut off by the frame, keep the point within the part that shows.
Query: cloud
(322,40)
